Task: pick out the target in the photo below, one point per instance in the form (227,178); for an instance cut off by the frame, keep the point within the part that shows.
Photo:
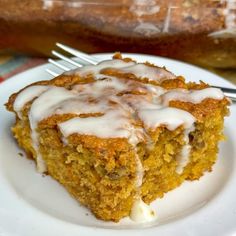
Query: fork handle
(229,92)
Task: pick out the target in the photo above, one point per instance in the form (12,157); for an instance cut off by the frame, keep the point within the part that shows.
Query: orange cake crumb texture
(119,132)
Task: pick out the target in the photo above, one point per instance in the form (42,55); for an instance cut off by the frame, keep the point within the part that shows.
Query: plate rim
(126,231)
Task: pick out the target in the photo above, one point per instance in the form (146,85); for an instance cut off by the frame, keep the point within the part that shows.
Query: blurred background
(201,32)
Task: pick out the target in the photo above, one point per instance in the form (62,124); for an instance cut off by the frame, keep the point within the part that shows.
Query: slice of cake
(120,134)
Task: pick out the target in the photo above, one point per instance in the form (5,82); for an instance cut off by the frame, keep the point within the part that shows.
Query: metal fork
(87,59)
(84,58)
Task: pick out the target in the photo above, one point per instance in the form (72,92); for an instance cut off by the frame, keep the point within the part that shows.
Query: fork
(88,59)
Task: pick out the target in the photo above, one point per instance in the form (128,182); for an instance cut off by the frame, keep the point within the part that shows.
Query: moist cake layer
(120,134)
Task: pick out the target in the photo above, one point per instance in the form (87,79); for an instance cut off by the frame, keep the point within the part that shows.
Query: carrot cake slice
(120,134)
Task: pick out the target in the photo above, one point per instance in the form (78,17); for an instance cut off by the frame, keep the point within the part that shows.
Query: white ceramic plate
(33,205)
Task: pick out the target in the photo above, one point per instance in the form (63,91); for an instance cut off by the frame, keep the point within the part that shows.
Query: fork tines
(67,62)
(83,56)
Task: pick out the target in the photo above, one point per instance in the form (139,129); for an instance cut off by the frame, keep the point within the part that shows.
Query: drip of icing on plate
(118,99)
(141,212)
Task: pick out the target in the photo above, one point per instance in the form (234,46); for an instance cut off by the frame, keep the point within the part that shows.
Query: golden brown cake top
(118,102)
(116,98)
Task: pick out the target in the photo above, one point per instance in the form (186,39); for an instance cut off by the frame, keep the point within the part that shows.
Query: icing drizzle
(115,108)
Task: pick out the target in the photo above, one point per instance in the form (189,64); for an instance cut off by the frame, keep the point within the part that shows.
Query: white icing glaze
(152,73)
(139,171)
(104,127)
(41,108)
(183,158)
(138,69)
(106,86)
(48,103)
(193,96)
(171,117)
(91,69)
(27,95)
(114,108)
(141,212)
